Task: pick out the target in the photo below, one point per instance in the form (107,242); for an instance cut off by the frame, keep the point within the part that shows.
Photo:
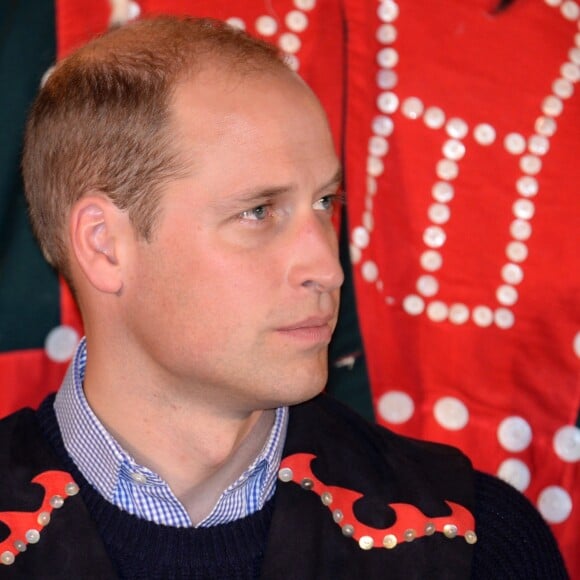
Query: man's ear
(98,229)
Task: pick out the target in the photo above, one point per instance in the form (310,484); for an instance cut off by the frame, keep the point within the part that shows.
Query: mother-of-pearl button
(266,25)
(484,134)
(514,434)
(567,443)
(439,213)
(507,295)
(434,236)
(60,343)
(387,102)
(482,316)
(514,143)
(375,166)
(387,57)
(396,407)
(451,413)
(512,273)
(296,21)
(458,313)
(530,164)
(552,106)
(386,34)
(538,144)
(545,126)
(388,11)
(453,149)
(516,251)
(236,22)
(427,285)
(434,118)
(563,88)
(504,318)
(570,71)
(387,79)
(378,146)
(305,4)
(520,230)
(383,125)
(413,305)
(570,10)
(516,473)
(555,504)
(412,108)
(527,186)
(360,237)
(370,271)
(431,260)
(447,169)
(442,191)
(289,42)
(524,209)
(456,128)
(437,311)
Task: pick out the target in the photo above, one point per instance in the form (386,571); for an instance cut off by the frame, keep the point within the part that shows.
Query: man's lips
(313,329)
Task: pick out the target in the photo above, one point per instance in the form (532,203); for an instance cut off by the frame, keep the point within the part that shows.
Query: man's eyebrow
(265,193)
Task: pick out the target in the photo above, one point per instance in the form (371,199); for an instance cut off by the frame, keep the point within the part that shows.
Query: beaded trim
(411,523)
(25,527)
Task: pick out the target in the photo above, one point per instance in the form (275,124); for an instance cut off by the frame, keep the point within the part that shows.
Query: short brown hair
(101,121)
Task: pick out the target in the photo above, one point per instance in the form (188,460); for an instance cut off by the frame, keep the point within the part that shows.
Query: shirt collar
(108,467)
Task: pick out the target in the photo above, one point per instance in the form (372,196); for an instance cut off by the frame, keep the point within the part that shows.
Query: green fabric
(29,293)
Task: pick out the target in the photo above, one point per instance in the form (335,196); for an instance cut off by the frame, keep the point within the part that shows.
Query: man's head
(101,121)
(196,219)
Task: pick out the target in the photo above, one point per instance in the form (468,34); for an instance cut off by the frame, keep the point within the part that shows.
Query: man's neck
(197,450)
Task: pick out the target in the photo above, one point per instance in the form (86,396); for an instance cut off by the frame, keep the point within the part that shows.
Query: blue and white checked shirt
(140,491)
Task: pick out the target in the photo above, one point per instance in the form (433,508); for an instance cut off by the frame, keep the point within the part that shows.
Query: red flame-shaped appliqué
(410,523)
(25,527)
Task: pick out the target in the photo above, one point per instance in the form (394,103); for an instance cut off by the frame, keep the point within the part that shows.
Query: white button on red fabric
(396,407)
(484,134)
(512,274)
(567,443)
(570,71)
(527,186)
(412,108)
(576,344)
(60,343)
(451,413)
(506,295)
(386,34)
(453,149)
(458,313)
(516,473)
(443,191)
(434,237)
(360,237)
(289,42)
(305,4)
(388,11)
(439,213)
(447,169)
(563,88)
(387,79)
(530,164)
(383,125)
(375,166)
(546,126)
(503,318)
(427,285)
(413,305)
(236,22)
(516,251)
(520,230)
(431,260)
(555,504)
(378,146)
(456,128)
(370,271)
(552,106)
(266,25)
(524,209)
(296,21)
(514,143)
(482,316)
(514,434)
(387,102)
(434,118)
(387,57)
(570,10)
(437,311)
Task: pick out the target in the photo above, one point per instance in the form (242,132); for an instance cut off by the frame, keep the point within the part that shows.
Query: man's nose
(314,261)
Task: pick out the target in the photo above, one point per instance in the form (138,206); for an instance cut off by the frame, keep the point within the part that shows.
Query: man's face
(235,299)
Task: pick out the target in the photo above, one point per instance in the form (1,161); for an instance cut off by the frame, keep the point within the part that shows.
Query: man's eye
(329,202)
(258,213)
